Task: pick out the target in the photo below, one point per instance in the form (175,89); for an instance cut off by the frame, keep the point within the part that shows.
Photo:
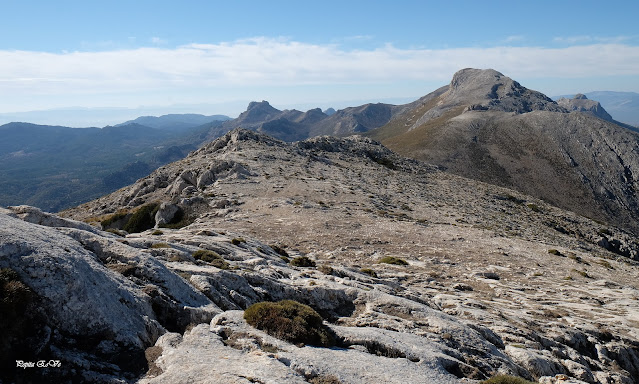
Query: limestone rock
(538,363)
(165,214)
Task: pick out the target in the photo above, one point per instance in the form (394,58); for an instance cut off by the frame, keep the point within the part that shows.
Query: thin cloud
(266,62)
(158,41)
(514,38)
(587,39)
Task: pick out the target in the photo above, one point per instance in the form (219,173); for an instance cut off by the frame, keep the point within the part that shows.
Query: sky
(82,63)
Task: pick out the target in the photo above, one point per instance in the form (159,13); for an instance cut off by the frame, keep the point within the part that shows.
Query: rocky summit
(581,103)
(419,275)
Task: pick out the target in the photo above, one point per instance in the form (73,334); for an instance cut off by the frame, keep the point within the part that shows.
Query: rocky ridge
(496,281)
(488,127)
(293,125)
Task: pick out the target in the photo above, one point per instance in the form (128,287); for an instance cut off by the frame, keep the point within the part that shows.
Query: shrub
(12,291)
(123,269)
(180,220)
(554,252)
(206,255)
(325,379)
(325,269)
(238,241)
(392,260)
(369,272)
(506,379)
(142,219)
(512,199)
(157,232)
(291,321)
(604,232)
(211,257)
(113,218)
(15,300)
(160,245)
(115,232)
(279,250)
(605,264)
(582,273)
(302,261)
(220,263)
(534,207)
(381,160)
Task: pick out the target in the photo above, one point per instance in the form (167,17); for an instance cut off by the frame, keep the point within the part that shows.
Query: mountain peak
(258,112)
(470,78)
(487,89)
(261,104)
(580,103)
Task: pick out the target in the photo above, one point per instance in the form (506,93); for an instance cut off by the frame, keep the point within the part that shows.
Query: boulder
(165,214)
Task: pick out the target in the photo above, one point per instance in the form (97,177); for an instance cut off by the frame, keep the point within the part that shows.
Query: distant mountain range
(292,125)
(55,167)
(175,122)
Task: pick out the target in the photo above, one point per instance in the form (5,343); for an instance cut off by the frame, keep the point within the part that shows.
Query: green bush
(220,263)
(180,220)
(604,232)
(291,321)
(112,219)
(238,241)
(279,250)
(15,298)
(326,269)
(506,379)
(534,207)
(554,252)
(302,261)
(325,379)
(369,272)
(116,232)
(211,257)
(392,260)
(142,219)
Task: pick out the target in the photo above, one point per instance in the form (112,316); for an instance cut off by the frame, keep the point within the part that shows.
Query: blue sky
(213,57)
